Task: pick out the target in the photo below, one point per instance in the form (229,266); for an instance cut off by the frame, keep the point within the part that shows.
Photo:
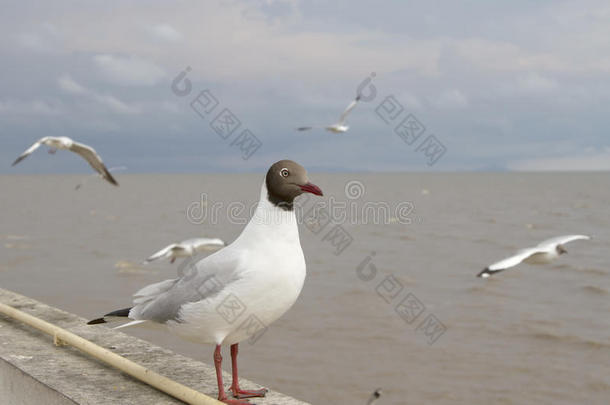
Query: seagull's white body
(63,142)
(260,274)
(340,126)
(545,252)
(186,248)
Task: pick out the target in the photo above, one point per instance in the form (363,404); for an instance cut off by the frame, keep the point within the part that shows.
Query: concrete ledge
(34,370)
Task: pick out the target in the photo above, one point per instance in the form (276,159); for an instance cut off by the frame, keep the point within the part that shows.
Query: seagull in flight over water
(544,252)
(237,292)
(63,142)
(341,126)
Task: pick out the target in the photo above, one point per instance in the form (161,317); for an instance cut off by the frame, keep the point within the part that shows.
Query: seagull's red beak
(311,188)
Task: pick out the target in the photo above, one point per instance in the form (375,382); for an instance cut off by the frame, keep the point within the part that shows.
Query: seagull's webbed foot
(234,401)
(239,393)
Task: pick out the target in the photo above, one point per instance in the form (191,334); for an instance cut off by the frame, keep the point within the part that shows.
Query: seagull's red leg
(237,392)
(172,260)
(222,396)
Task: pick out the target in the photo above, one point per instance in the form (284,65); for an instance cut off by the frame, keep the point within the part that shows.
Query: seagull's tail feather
(487,272)
(120,313)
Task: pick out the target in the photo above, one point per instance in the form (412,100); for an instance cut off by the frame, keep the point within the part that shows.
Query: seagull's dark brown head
(561,249)
(285,181)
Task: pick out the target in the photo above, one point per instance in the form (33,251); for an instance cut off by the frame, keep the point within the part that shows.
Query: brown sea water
(534,334)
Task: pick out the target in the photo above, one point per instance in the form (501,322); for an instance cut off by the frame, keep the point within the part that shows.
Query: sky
(488,86)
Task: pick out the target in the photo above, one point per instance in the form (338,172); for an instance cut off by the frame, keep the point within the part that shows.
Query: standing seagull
(544,252)
(340,126)
(63,142)
(186,248)
(237,292)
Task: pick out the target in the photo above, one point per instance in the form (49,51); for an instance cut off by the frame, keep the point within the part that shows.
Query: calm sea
(391,299)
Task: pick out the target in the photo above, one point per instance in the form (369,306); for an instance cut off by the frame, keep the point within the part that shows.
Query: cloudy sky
(515,86)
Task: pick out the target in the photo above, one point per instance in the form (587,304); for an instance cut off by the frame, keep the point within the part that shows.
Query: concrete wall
(34,371)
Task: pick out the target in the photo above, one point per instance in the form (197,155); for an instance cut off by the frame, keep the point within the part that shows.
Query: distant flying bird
(340,126)
(374,397)
(186,248)
(543,253)
(97,175)
(63,142)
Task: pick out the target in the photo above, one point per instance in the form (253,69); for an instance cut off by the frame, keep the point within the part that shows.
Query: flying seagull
(63,142)
(97,175)
(340,126)
(237,292)
(374,397)
(186,248)
(544,252)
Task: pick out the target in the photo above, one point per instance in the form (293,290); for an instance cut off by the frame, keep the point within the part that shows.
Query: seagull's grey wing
(94,160)
(560,240)
(349,108)
(29,150)
(162,301)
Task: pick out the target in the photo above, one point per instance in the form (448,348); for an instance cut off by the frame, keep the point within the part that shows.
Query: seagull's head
(286,180)
(561,249)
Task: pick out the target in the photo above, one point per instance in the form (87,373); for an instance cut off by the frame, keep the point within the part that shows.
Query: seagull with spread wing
(341,126)
(544,252)
(63,142)
(186,248)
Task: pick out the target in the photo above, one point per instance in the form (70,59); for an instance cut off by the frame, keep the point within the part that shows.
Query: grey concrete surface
(34,371)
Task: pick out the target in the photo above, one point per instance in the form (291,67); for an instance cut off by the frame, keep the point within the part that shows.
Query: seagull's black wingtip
(96,321)
(485,273)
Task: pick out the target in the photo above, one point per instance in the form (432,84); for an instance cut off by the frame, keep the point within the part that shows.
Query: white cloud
(34,107)
(128,70)
(69,85)
(452,99)
(586,161)
(165,32)
(536,83)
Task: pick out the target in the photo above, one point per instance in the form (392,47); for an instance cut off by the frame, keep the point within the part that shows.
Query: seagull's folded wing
(163,301)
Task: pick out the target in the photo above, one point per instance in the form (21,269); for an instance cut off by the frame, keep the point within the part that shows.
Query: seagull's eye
(284,172)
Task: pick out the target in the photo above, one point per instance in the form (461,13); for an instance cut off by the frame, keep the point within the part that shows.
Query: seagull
(374,397)
(340,126)
(237,292)
(544,252)
(186,248)
(63,142)
(97,175)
